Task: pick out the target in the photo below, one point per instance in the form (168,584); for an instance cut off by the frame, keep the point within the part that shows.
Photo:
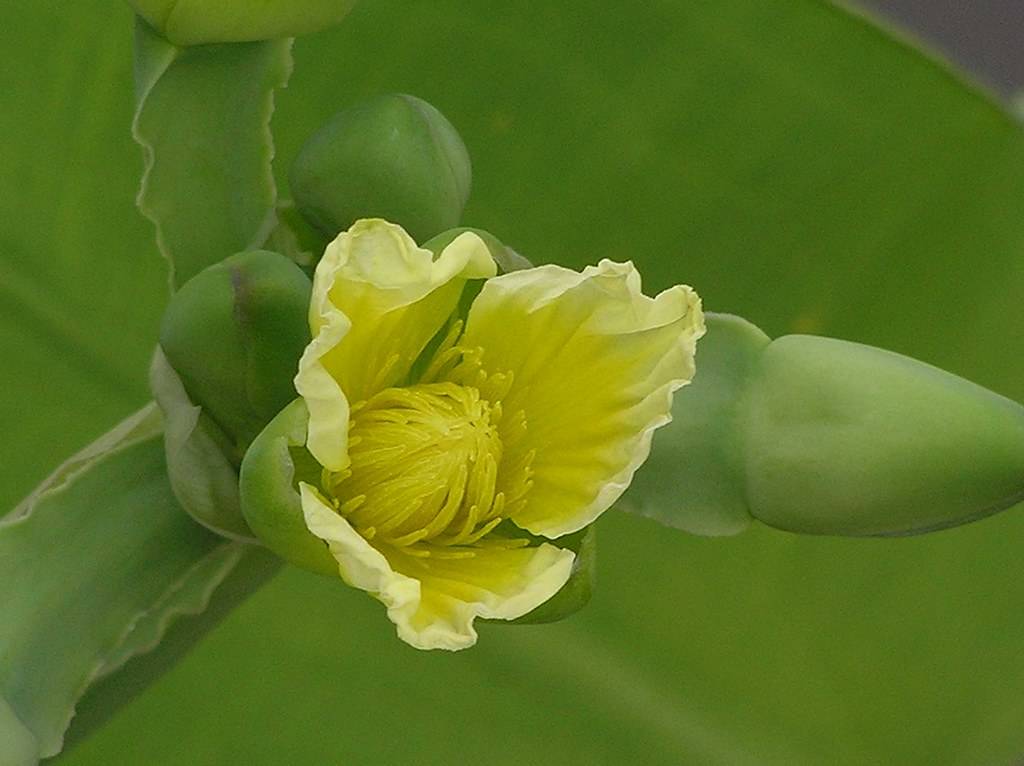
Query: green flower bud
(841,438)
(195,22)
(393,157)
(234,334)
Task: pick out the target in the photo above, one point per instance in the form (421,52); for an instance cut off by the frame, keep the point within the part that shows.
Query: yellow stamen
(424,466)
(426,461)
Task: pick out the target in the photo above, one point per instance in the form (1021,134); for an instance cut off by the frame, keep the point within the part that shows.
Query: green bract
(273,467)
(194,22)
(393,157)
(575,594)
(203,123)
(507,259)
(202,463)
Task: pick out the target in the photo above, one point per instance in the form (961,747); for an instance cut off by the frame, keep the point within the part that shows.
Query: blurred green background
(790,161)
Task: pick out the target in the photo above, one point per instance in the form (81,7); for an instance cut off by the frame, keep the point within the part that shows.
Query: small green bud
(195,22)
(234,334)
(845,439)
(393,157)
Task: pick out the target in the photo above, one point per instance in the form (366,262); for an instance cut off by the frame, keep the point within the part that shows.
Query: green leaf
(105,697)
(203,122)
(790,161)
(95,565)
(692,479)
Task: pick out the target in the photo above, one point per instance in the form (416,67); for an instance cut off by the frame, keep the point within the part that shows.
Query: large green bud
(822,436)
(842,438)
(393,157)
(230,342)
(195,22)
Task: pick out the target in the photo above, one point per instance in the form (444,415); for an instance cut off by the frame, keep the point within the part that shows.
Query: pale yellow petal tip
(469,256)
(376,251)
(443,621)
(428,612)
(383,254)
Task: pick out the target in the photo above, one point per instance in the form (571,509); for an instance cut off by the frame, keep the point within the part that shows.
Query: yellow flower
(448,447)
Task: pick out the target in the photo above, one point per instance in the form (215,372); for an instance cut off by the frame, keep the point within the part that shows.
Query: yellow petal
(433,601)
(594,365)
(377,300)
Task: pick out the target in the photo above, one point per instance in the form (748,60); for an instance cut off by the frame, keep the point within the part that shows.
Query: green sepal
(197,22)
(273,466)
(234,335)
(576,592)
(846,439)
(394,157)
(693,479)
(507,259)
(201,463)
(295,238)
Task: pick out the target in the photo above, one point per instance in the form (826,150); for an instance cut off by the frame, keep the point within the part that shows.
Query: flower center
(424,466)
